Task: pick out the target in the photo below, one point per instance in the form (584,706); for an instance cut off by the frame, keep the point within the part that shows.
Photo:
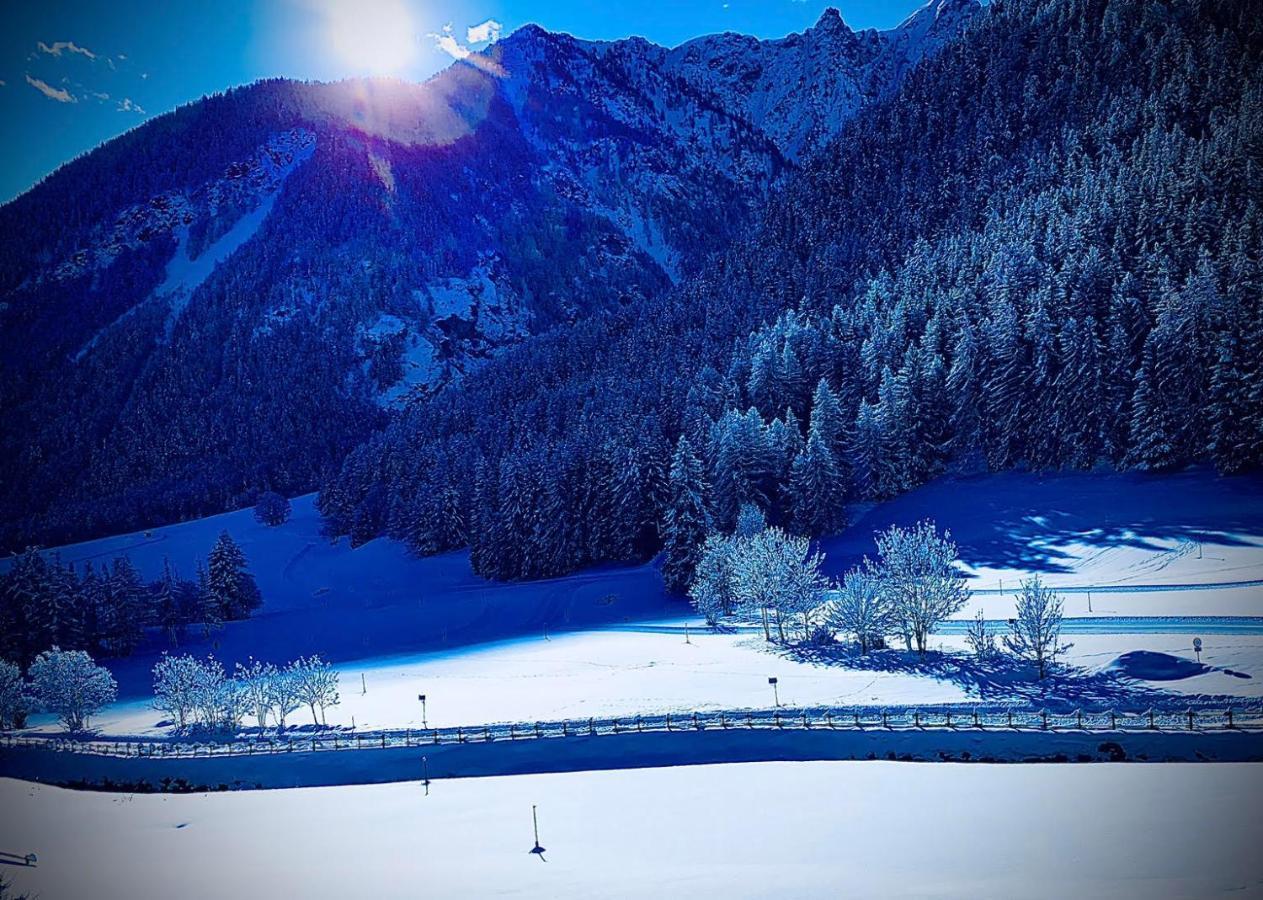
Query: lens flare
(373,37)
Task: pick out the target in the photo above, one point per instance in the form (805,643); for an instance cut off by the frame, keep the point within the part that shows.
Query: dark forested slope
(1043,250)
(231,297)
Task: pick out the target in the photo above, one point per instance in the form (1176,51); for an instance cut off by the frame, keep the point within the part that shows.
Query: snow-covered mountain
(239,291)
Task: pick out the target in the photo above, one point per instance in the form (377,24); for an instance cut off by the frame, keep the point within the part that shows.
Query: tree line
(105,610)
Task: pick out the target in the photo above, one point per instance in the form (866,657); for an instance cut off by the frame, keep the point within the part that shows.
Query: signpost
(1197,648)
(424,723)
(775,693)
(537,849)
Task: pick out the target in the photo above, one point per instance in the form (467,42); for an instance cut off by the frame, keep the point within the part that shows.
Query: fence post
(460,735)
(805,725)
(539,732)
(884,721)
(949,718)
(975,717)
(640,726)
(564,731)
(1010,718)
(778,718)
(383,740)
(749,720)
(486,732)
(668,721)
(1151,725)
(1113,721)
(1190,718)
(1078,714)
(512,732)
(695,725)
(616,724)
(1044,716)
(723,720)
(591,726)
(916,718)
(1230,717)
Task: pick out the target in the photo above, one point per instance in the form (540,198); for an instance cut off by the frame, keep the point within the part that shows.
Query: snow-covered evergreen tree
(15,697)
(230,584)
(686,521)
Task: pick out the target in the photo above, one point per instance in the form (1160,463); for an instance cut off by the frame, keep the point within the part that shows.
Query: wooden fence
(851,718)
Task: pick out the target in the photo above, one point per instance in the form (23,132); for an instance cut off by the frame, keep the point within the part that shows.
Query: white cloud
(483,33)
(126,105)
(61,95)
(58,47)
(447,42)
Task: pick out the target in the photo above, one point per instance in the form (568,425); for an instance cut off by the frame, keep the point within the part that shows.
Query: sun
(375,37)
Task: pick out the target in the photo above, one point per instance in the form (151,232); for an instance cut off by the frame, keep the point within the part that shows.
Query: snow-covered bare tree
(317,684)
(778,573)
(917,570)
(861,607)
(70,684)
(1035,635)
(15,700)
(980,638)
(176,680)
(283,693)
(256,683)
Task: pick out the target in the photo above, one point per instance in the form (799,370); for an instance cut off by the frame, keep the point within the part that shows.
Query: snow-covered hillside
(610,642)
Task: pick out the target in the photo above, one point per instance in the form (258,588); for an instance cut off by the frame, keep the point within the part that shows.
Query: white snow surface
(804,829)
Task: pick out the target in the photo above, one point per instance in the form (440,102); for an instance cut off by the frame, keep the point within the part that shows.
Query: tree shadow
(998,680)
(1019,520)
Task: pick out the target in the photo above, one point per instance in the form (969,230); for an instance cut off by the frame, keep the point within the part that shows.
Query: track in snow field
(1075,625)
(1130,588)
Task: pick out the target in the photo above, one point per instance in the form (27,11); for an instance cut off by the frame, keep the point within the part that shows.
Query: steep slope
(1041,251)
(232,296)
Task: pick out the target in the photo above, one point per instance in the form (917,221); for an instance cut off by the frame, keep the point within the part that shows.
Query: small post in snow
(537,849)
(425,774)
(363,685)
(1197,648)
(686,633)
(776,694)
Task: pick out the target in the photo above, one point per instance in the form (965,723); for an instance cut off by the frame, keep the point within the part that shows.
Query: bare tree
(980,638)
(317,684)
(1035,635)
(917,570)
(861,607)
(256,681)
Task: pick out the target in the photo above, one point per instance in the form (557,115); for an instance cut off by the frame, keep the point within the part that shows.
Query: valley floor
(822,829)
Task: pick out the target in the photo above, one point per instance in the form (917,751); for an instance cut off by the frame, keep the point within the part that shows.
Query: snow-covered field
(825,829)
(609,642)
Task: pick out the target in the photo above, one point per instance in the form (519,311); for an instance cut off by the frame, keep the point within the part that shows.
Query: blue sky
(75,73)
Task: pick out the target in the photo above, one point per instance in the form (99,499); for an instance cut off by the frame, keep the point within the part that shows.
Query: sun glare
(374,37)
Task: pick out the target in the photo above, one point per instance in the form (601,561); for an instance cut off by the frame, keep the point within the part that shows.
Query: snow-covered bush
(750,521)
(861,608)
(980,638)
(917,571)
(70,684)
(272,509)
(15,699)
(316,684)
(1035,635)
